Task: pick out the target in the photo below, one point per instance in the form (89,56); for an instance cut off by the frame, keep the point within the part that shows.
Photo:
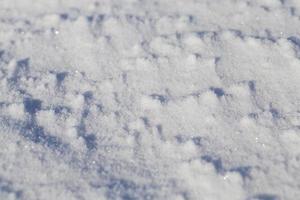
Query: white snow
(144,99)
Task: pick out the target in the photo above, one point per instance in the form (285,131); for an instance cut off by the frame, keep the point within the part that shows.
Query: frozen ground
(170,99)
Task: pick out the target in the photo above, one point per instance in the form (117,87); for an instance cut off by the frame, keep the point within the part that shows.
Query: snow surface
(144,99)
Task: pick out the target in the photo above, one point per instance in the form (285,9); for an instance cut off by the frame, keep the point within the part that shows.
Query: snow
(142,99)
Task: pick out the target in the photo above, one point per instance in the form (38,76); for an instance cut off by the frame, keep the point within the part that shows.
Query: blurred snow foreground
(171,99)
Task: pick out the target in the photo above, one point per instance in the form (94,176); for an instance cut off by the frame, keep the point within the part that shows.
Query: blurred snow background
(145,99)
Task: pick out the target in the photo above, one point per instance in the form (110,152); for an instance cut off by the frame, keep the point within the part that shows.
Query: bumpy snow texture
(144,99)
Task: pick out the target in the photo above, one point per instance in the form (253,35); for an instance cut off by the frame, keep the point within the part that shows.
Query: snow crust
(142,99)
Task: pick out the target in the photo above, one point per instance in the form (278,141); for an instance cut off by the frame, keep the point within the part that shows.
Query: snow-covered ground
(145,99)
